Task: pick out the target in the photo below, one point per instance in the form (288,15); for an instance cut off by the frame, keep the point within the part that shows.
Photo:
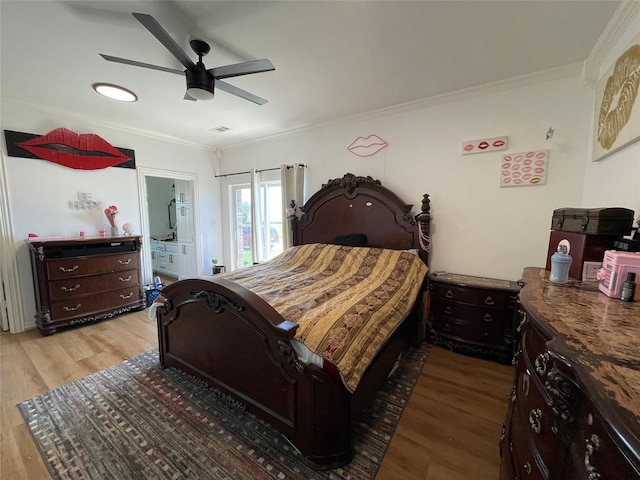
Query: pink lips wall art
(524,169)
(69,149)
(484,145)
(367,146)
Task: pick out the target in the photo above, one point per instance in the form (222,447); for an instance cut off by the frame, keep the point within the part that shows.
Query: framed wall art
(524,169)
(617,116)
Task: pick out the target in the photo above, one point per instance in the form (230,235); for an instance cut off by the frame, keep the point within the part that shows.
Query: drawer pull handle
(593,445)
(449,294)
(71,309)
(535,420)
(124,297)
(446,327)
(70,289)
(122,262)
(125,279)
(489,301)
(527,468)
(487,318)
(541,363)
(448,310)
(67,270)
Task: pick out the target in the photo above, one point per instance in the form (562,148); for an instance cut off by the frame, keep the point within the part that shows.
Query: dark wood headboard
(351,205)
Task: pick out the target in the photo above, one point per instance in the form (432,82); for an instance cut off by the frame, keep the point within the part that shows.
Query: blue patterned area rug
(137,421)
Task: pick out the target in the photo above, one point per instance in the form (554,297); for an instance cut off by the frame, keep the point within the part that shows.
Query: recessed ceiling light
(115,92)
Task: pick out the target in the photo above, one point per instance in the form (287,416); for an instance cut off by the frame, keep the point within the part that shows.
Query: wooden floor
(449,430)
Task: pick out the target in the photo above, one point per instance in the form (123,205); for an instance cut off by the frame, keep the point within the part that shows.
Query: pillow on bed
(352,240)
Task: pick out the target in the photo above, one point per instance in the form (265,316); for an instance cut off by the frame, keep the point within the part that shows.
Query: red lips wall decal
(69,149)
(367,146)
(484,145)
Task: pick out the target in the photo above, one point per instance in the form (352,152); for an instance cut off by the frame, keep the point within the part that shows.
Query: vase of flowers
(110,212)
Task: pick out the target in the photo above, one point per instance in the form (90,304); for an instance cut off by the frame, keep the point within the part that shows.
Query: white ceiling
(333,59)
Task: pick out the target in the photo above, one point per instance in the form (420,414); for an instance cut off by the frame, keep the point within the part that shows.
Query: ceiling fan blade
(239,92)
(244,68)
(165,39)
(110,58)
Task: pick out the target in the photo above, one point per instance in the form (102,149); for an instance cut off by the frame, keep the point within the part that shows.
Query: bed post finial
(426,203)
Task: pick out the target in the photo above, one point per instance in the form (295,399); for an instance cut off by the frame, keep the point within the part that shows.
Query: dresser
(473,315)
(84,280)
(575,401)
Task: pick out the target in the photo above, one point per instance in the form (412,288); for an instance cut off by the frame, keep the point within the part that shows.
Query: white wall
(478,228)
(39,191)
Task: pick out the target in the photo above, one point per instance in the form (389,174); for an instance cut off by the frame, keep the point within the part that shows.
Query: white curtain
(257,219)
(293,183)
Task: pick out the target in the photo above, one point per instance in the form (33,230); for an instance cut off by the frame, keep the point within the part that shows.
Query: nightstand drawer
(446,309)
(474,296)
(472,332)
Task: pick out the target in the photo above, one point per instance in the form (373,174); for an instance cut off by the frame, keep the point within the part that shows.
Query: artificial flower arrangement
(110,212)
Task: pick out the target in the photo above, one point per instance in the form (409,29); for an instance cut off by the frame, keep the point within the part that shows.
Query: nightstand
(473,315)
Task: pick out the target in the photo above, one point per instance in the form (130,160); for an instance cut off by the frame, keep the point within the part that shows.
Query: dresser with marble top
(575,402)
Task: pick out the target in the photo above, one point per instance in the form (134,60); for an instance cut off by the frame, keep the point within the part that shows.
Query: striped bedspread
(347,301)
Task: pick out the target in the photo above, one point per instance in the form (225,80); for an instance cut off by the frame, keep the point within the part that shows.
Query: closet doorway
(168,211)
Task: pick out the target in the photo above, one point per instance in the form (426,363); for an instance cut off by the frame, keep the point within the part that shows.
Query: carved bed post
(423,219)
(293,221)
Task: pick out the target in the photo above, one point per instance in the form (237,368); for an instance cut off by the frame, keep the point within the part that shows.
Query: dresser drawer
(475,296)
(523,458)
(73,287)
(596,454)
(534,349)
(90,304)
(78,266)
(539,420)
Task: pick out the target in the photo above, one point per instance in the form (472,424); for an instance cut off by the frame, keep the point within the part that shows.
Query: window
(268,225)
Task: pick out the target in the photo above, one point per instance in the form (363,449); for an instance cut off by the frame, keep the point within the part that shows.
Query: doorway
(11,312)
(178,243)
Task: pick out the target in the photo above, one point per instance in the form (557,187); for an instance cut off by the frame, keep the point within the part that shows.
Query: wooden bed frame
(235,341)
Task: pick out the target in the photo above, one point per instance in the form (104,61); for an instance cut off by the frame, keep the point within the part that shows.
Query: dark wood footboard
(232,339)
(226,335)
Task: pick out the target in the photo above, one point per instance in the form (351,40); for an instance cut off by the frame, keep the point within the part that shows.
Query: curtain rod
(263,170)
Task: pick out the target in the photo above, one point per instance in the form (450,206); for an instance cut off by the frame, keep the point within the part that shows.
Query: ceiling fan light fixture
(200,84)
(115,92)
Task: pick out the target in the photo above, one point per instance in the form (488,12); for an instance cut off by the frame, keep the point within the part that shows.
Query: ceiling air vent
(220,129)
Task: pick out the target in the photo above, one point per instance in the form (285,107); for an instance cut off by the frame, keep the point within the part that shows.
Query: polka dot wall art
(524,169)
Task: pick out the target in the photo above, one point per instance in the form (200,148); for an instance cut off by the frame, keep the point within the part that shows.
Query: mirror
(172,213)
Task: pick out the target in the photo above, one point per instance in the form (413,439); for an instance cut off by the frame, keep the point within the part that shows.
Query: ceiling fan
(200,81)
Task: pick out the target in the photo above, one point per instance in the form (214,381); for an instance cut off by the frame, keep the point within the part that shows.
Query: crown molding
(625,18)
(542,76)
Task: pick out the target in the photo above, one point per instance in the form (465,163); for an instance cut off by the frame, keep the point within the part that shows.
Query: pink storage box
(615,266)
